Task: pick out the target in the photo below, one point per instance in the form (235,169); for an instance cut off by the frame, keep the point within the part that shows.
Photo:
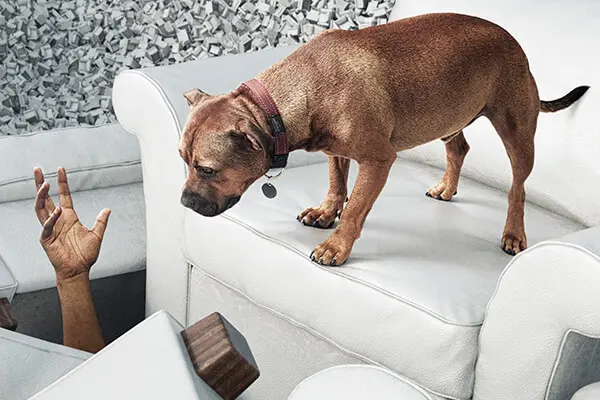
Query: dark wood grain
(7,319)
(221,356)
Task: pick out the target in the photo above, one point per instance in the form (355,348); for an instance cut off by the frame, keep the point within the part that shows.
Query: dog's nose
(232,202)
(199,204)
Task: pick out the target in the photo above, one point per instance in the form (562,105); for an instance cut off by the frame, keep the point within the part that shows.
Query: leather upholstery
(27,365)
(357,382)
(148,362)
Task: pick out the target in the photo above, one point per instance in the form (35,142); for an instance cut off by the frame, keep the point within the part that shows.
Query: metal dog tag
(269,190)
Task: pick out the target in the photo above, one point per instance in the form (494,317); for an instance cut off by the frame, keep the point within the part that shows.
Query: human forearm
(81,329)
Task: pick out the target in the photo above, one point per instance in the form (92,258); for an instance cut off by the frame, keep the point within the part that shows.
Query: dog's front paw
(513,243)
(333,252)
(322,217)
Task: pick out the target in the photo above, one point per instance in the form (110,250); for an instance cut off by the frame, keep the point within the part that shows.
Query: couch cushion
(413,294)
(27,364)
(88,154)
(123,249)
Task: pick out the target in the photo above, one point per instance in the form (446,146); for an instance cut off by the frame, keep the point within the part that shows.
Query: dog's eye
(205,171)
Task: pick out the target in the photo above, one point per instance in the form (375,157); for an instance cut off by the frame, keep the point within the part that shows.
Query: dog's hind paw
(513,244)
(439,192)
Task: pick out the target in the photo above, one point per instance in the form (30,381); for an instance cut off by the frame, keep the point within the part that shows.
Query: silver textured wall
(58,58)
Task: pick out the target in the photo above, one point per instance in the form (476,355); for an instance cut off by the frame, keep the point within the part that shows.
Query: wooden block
(221,356)
(7,319)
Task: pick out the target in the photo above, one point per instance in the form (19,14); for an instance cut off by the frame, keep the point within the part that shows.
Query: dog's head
(225,148)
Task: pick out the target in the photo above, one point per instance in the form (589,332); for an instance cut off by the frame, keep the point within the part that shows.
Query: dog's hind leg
(456,151)
(324,215)
(517,130)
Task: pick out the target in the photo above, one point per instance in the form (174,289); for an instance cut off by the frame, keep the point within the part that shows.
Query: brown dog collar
(260,95)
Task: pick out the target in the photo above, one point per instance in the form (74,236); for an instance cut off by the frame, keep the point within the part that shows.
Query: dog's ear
(254,138)
(194,96)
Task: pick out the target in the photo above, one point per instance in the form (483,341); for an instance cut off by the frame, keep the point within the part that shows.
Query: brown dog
(365,95)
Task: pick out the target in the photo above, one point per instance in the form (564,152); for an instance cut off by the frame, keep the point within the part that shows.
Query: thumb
(101,221)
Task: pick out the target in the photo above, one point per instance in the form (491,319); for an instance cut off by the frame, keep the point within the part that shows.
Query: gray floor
(119,302)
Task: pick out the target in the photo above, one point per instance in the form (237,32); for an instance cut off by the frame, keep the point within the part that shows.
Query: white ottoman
(349,382)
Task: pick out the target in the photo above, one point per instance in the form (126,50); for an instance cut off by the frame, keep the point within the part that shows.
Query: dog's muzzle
(199,204)
(204,206)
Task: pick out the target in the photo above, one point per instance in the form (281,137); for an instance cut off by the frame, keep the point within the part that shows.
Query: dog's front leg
(324,215)
(369,183)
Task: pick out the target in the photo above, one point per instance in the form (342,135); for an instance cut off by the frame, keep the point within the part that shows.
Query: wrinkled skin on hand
(71,247)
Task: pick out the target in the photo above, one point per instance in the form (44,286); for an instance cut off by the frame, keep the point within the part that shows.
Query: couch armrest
(152,361)
(541,334)
(88,154)
(587,238)
(590,392)
(149,103)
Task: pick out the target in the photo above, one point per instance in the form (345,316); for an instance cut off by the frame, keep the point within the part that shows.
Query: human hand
(70,246)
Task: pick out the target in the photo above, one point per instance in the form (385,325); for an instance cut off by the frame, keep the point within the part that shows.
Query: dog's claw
(333,263)
(428,194)
(312,255)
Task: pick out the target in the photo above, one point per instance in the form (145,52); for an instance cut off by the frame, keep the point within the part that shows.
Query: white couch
(413,296)
(103,164)
(151,361)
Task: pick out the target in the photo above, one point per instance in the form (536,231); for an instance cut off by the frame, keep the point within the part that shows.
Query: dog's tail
(565,101)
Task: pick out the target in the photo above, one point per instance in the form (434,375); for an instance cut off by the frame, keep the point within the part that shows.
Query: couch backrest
(94,157)
(561,40)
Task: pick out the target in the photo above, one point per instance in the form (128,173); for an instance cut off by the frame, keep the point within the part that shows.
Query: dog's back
(432,74)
